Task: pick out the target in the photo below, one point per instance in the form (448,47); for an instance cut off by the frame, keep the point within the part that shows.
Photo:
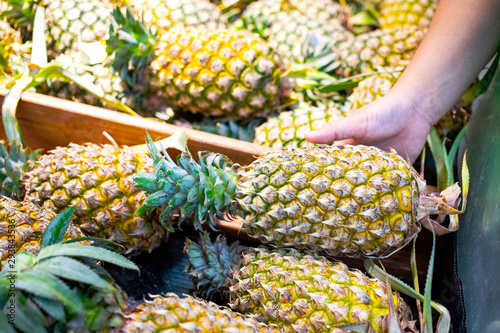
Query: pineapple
(162,15)
(26,222)
(288,128)
(372,88)
(188,314)
(369,52)
(397,13)
(13,53)
(340,200)
(98,179)
(287,25)
(213,72)
(297,292)
(68,21)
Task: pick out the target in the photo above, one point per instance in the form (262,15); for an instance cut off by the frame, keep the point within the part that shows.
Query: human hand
(389,122)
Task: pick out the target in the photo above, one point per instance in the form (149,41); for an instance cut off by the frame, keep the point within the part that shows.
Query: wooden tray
(48,122)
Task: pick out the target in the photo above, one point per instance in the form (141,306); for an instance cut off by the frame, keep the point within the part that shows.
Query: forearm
(463,36)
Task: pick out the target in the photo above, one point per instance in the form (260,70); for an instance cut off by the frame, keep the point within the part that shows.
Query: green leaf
(46,285)
(454,148)
(427,310)
(440,159)
(4,324)
(28,317)
(71,269)
(55,231)
(82,250)
(52,307)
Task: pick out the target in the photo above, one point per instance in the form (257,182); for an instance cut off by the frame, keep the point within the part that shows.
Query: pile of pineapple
(251,70)
(230,65)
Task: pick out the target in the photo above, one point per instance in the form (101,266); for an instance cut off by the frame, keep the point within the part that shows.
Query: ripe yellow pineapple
(213,72)
(98,179)
(297,292)
(341,200)
(400,13)
(289,127)
(188,314)
(22,225)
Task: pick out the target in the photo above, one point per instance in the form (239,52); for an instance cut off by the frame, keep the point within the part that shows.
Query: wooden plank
(48,122)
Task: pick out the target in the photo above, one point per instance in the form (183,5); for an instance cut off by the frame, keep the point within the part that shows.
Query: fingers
(339,129)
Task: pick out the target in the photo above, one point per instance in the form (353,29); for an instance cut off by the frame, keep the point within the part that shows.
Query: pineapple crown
(62,288)
(13,163)
(202,188)
(133,44)
(229,128)
(211,263)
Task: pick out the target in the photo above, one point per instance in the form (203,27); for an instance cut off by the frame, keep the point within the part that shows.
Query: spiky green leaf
(55,231)
(82,250)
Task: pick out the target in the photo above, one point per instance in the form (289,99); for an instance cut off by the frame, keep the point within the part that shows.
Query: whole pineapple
(297,292)
(368,52)
(98,179)
(341,200)
(22,225)
(287,25)
(213,72)
(188,314)
(288,129)
(162,15)
(68,21)
(397,13)
(13,53)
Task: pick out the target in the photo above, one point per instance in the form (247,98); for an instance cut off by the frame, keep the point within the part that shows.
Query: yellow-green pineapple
(22,224)
(400,13)
(68,21)
(288,129)
(371,51)
(216,72)
(161,15)
(189,314)
(297,292)
(341,200)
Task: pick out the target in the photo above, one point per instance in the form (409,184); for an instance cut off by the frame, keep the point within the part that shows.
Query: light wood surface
(47,122)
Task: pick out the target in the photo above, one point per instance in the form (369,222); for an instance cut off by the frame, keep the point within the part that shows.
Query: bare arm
(463,36)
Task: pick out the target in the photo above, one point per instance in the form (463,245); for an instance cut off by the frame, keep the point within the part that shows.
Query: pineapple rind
(170,313)
(98,179)
(288,129)
(27,222)
(217,72)
(304,293)
(397,13)
(341,200)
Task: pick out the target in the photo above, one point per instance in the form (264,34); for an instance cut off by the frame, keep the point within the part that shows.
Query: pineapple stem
(203,188)
(211,263)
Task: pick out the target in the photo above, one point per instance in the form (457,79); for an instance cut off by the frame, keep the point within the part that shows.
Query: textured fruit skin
(397,13)
(161,15)
(302,293)
(27,222)
(66,20)
(372,88)
(288,128)
(217,72)
(170,313)
(98,179)
(342,200)
(368,52)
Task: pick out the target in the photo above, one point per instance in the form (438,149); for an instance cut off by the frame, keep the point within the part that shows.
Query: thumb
(351,126)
